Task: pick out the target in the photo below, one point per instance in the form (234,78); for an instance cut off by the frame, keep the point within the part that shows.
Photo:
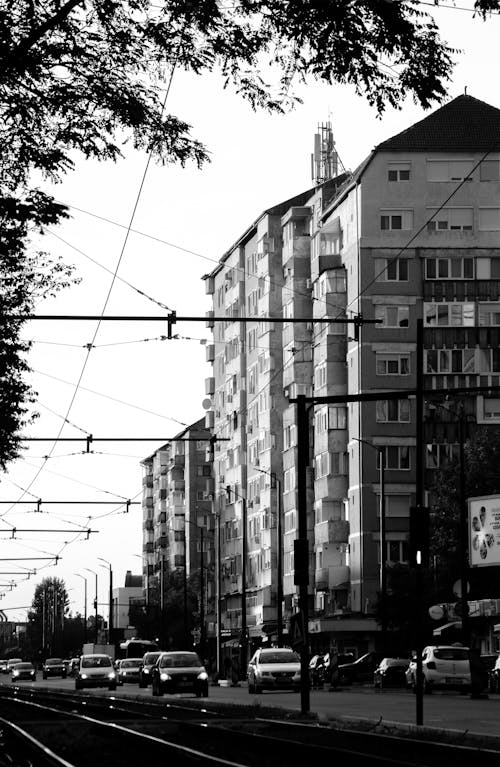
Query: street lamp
(110,620)
(382,572)
(84,608)
(96,630)
(279,574)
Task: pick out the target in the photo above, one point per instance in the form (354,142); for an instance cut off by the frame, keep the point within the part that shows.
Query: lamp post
(84,608)
(96,630)
(279,568)
(383,553)
(244,638)
(110,619)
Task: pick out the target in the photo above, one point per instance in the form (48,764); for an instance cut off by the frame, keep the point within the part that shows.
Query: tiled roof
(463,125)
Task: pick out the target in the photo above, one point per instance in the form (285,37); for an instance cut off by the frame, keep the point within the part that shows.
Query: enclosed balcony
(331,531)
(332,578)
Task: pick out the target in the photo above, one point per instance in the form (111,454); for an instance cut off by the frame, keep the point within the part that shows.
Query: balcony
(147,481)
(149,524)
(331,531)
(148,548)
(332,578)
(210,386)
(210,319)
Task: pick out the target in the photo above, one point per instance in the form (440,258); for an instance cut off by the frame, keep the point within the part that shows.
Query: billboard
(484,531)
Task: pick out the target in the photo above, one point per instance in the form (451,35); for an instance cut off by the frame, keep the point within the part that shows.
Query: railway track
(78,729)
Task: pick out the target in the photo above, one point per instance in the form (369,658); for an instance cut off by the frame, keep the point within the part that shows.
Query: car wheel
(154,689)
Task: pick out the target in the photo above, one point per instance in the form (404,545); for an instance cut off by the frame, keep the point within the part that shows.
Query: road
(447,710)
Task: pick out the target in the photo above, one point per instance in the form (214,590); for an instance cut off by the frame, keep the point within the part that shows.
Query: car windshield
(54,662)
(130,663)
(451,653)
(14,661)
(24,666)
(151,657)
(184,660)
(279,656)
(96,661)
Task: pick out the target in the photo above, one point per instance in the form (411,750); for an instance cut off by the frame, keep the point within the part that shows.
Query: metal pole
(184,575)
(383,553)
(302,568)
(419,496)
(279,589)
(463,533)
(244,639)
(96,636)
(162,598)
(44,597)
(85,612)
(202,598)
(217,595)
(110,621)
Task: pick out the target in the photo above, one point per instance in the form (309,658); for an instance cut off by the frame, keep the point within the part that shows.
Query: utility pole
(301,547)
(202,598)
(185,589)
(244,546)
(419,497)
(464,564)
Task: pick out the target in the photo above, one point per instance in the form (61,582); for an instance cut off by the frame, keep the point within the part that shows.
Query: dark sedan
(54,667)
(179,672)
(146,668)
(361,670)
(391,672)
(23,671)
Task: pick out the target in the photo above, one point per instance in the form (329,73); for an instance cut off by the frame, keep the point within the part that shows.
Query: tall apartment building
(413,232)
(177,504)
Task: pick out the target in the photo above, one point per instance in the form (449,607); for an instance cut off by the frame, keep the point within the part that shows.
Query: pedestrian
(333,675)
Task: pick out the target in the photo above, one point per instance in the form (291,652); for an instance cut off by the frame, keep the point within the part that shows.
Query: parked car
(10,663)
(273,668)
(23,671)
(146,667)
(391,672)
(443,667)
(179,672)
(95,671)
(361,670)
(494,678)
(127,670)
(317,670)
(54,667)
(3,665)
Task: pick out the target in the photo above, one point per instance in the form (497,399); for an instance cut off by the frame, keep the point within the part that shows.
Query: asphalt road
(446,710)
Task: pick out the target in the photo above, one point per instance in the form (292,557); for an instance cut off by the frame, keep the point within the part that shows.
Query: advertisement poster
(484,531)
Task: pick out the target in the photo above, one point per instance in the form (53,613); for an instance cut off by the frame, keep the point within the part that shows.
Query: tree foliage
(86,76)
(46,616)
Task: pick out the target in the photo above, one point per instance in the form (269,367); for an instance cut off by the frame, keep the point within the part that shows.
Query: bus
(136,648)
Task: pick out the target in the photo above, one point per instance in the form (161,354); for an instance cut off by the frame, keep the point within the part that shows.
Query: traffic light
(300,562)
(419,535)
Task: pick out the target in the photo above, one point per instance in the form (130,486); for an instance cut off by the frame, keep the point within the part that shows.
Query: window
(459,219)
(391,269)
(290,521)
(397,505)
(339,464)
(397,551)
(439,455)
(288,480)
(489,314)
(450,361)
(322,465)
(337,417)
(396,457)
(449,170)
(289,437)
(393,411)
(288,310)
(320,376)
(398,171)
(449,268)
(487,268)
(455,314)
(489,219)
(331,282)
(392,220)
(393,364)
(489,170)
(392,316)
(491,408)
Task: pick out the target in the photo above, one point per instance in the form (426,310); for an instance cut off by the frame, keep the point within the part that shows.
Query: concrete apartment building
(413,232)
(177,503)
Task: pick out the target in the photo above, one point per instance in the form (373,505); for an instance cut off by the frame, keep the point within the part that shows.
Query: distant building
(124,597)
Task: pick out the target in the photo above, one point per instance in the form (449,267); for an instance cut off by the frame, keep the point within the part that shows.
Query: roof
(465,124)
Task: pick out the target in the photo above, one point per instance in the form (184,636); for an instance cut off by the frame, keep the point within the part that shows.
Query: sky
(133,384)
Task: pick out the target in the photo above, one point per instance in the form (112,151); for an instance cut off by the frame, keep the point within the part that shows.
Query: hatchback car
(494,679)
(443,667)
(273,668)
(127,670)
(10,663)
(95,671)
(179,672)
(147,663)
(391,672)
(23,671)
(54,667)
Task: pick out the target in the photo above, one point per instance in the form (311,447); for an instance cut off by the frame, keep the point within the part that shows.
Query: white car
(273,668)
(444,667)
(95,671)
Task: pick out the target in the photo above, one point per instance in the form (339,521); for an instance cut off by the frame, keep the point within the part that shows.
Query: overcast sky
(257,161)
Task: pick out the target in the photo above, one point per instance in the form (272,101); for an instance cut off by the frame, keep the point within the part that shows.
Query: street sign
(297,630)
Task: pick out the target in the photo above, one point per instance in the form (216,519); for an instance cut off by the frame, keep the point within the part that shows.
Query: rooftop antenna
(324,159)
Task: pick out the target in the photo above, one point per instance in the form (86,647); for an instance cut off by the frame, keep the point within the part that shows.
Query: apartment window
(330,243)
(487,268)
(397,551)
(392,316)
(290,521)
(491,409)
(252,302)
(337,417)
(252,380)
(288,310)
(322,465)
(489,314)
(331,282)
(453,314)
(204,470)
(339,464)
(450,361)
(489,359)
(393,364)
(449,170)
(288,480)
(393,411)
(397,457)
(252,340)
(437,456)
(398,171)
(393,220)
(489,170)
(451,219)
(321,420)
(391,269)
(397,505)
(449,268)
(489,219)
(320,376)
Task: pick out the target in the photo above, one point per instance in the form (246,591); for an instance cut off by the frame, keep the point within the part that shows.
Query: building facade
(413,232)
